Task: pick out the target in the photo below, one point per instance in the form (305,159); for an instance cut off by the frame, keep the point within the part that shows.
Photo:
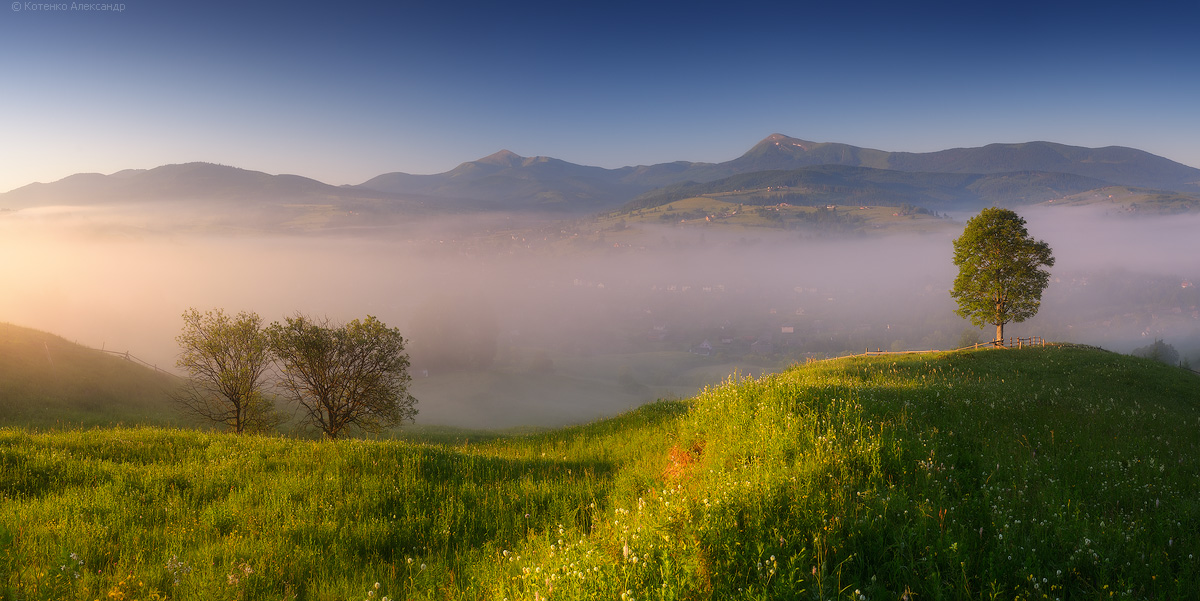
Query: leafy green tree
(226,359)
(1001,272)
(355,374)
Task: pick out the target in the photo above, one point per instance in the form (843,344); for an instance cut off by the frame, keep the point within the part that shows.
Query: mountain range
(960,178)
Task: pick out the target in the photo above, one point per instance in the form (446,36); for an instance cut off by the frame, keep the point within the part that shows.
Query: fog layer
(506,329)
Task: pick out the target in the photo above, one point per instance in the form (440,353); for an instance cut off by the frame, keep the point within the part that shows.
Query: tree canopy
(355,374)
(1001,270)
(225,359)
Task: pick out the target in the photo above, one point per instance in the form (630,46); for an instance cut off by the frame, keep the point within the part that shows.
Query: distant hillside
(1115,164)
(1131,201)
(1029,172)
(506,180)
(198,184)
(837,184)
(46,381)
(992,174)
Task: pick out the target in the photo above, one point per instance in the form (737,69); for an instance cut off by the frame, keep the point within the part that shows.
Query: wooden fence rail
(1032,341)
(129,357)
(1015,342)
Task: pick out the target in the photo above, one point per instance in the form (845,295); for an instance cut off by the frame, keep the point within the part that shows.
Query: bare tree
(354,374)
(225,359)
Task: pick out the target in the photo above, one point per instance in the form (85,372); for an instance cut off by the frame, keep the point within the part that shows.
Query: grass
(49,382)
(1049,473)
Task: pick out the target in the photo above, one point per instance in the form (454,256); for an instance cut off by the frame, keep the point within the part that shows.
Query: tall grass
(1055,473)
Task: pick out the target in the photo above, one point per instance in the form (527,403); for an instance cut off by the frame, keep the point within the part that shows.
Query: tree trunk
(999,334)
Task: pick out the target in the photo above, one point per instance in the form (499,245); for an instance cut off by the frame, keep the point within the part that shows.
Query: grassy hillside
(1057,473)
(46,381)
(840,184)
(729,212)
(1132,201)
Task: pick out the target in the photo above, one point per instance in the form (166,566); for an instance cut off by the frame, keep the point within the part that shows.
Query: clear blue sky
(345,91)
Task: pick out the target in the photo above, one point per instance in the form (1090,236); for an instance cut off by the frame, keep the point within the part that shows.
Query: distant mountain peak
(783,142)
(504,158)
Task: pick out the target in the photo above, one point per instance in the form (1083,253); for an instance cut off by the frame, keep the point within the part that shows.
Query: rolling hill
(1114,164)
(961,178)
(1131,201)
(505,180)
(211,195)
(1055,472)
(840,184)
(197,182)
(46,381)
(1016,173)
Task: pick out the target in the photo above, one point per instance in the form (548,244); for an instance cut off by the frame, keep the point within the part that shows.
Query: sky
(344,92)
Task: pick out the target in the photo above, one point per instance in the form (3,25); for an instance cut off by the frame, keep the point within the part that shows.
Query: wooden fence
(1014,342)
(131,358)
(1032,341)
(1010,343)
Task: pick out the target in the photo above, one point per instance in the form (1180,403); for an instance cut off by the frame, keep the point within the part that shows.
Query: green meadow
(1044,473)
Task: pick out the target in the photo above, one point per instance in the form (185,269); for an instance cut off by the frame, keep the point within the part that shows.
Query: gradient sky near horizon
(345,92)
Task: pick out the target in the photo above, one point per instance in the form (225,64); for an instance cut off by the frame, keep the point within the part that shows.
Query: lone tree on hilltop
(225,359)
(355,374)
(1001,272)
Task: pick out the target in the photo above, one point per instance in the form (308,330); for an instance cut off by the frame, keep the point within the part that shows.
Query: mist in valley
(517,320)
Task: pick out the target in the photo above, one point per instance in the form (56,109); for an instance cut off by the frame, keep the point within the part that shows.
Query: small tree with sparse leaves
(225,359)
